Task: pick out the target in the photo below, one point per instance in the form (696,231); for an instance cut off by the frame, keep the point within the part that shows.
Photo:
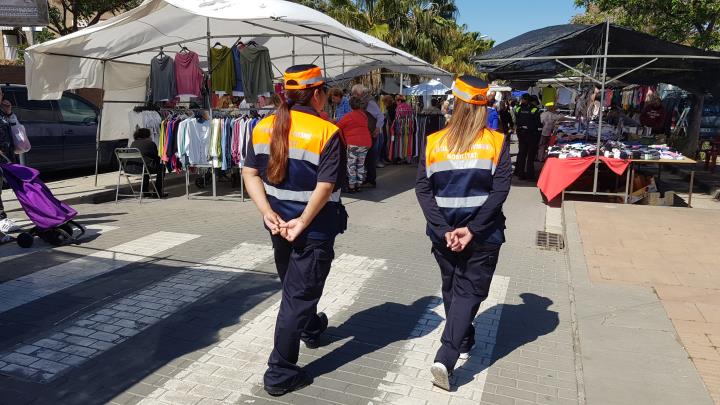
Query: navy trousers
(303,267)
(466,278)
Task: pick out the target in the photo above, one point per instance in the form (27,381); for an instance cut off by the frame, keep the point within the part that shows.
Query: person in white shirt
(549,118)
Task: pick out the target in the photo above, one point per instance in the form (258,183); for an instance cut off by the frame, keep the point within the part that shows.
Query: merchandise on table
(616,150)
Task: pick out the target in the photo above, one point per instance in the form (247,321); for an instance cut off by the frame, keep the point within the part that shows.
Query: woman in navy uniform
(463,180)
(293,170)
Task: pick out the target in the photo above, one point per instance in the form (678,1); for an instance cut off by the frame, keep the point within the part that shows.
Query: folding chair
(124,156)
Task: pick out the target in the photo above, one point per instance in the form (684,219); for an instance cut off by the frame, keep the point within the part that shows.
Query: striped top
(465,189)
(316,154)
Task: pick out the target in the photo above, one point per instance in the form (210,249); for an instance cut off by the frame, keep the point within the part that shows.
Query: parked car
(62,132)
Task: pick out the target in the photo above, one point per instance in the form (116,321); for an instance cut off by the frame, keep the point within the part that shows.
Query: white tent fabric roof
(431,88)
(75,60)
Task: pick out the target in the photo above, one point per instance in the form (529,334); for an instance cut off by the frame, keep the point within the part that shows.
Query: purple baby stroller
(53,219)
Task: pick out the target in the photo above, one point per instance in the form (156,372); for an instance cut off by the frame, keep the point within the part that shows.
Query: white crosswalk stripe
(12,251)
(418,354)
(234,367)
(96,332)
(23,290)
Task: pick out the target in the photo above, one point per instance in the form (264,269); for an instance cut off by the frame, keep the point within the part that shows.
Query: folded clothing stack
(615,149)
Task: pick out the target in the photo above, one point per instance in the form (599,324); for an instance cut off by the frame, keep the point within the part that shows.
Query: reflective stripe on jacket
(461,182)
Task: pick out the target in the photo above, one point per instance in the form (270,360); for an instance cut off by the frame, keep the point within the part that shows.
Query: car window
(76,110)
(32,110)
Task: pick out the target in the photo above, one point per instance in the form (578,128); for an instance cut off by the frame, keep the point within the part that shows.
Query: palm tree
(425,28)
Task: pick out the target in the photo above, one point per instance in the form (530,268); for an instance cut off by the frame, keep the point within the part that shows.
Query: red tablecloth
(559,174)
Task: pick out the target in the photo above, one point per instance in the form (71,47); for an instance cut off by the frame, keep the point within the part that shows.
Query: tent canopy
(294,34)
(537,55)
(431,88)
(115,55)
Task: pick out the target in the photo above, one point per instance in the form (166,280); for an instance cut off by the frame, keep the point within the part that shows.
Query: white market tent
(115,55)
(431,88)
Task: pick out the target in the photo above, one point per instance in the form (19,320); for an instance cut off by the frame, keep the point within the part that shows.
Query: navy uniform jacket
(466,189)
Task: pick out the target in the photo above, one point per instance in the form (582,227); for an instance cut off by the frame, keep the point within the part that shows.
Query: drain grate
(550,241)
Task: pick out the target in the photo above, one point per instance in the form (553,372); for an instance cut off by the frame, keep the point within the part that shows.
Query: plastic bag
(20,139)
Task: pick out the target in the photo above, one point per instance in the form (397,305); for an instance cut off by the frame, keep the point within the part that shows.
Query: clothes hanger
(218,44)
(161,54)
(183,49)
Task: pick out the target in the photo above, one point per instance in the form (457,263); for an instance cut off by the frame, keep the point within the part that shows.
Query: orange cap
(301,77)
(471,89)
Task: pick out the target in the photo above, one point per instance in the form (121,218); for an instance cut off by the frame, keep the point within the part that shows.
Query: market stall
(120,54)
(607,57)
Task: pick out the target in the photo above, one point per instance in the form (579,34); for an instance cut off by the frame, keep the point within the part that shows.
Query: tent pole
(401,84)
(99,124)
(210,113)
(602,102)
(293,51)
(322,42)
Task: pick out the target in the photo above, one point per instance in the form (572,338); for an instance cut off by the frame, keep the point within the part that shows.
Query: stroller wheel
(25,240)
(56,236)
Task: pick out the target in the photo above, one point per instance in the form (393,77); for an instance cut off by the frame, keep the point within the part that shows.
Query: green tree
(73,15)
(695,23)
(426,29)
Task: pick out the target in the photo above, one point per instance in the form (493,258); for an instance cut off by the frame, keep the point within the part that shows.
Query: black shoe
(300,381)
(314,343)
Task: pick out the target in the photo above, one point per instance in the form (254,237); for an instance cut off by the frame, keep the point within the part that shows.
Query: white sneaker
(441,378)
(380,165)
(5,238)
(7,225)
(466,355)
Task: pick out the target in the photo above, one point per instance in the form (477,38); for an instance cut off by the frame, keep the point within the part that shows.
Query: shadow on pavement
(519,325)
(166,347)
(392,323)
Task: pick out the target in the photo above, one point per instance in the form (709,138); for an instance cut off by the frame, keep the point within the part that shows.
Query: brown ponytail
(279,140)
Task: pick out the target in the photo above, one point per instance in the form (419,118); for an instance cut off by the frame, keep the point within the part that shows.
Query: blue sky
(504,19)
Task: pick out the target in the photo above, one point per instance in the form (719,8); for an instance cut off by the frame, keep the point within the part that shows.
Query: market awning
(546,52)
(431,88)
(295,34)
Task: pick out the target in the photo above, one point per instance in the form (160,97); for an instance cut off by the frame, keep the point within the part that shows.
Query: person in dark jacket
(527,120)
(463,179)
(149,151)
(7,147)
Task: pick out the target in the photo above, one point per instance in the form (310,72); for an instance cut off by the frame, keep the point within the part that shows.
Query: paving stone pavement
(191,322)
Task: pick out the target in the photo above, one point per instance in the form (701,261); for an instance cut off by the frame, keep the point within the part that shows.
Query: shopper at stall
(293,169)
(361,91)
(653,115)
(527,120)
(355,130)
(341,103)
(549,119)
(149,150)
(7,120)
(463,179)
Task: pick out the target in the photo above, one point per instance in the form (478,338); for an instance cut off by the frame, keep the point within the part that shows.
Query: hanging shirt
(223,74)
(549,94)
(197,140)
(162,78)
(188,74)
(564,96)
(317,154)
(238,89)
(456,190)
(257,74)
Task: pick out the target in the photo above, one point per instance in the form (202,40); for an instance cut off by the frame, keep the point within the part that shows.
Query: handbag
(20,139)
